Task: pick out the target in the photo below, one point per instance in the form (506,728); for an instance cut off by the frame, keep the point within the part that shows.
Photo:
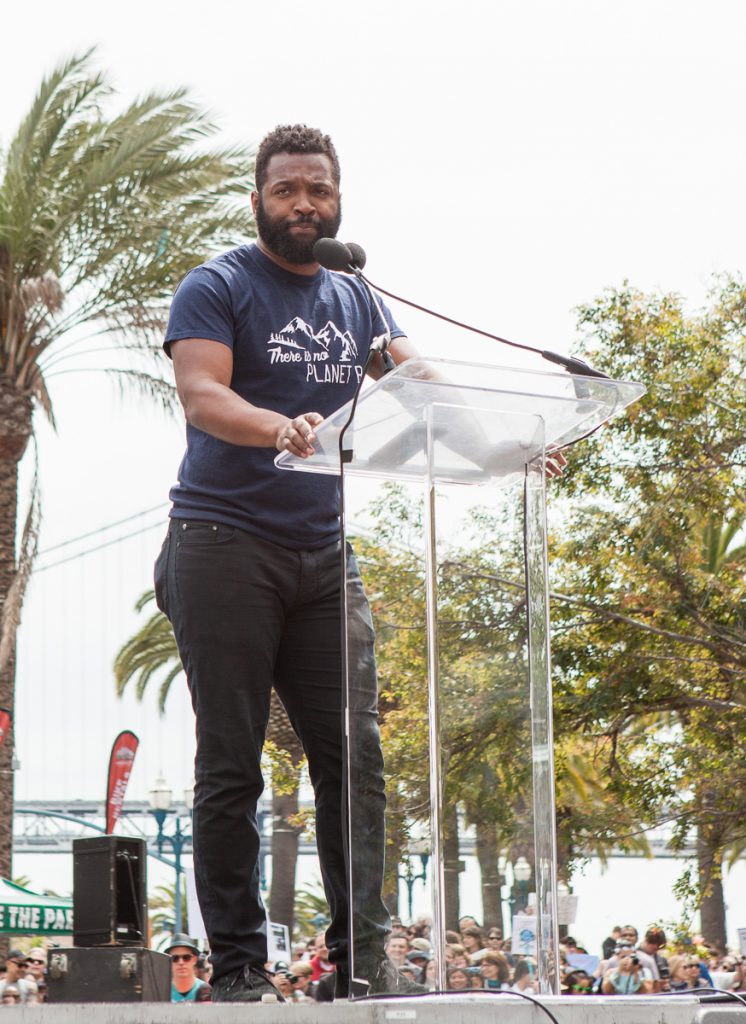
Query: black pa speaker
(109,891)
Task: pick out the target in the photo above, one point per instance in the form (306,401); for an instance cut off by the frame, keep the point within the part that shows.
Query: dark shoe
(246,985)
(388,979)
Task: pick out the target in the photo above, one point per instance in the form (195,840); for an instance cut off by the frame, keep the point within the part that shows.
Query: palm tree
(101,214)
(311,911)
(161,909)
(151,651)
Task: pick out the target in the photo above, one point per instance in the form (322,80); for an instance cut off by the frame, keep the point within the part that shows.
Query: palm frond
(115,210)
(144,599)
(39,390)
(165,687)
(151,649)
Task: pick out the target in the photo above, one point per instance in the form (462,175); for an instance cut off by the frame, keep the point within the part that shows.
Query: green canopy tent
(27,913)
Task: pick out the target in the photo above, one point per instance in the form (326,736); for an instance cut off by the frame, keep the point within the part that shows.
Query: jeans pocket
(160,575)
(196,533)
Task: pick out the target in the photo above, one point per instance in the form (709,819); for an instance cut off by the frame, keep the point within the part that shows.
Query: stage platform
(468,1009)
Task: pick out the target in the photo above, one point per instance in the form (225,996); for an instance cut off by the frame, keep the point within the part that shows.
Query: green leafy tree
(650,592)
(485,727)
(102,211)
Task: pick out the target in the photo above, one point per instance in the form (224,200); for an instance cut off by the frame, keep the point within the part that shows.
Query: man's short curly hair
(294,138)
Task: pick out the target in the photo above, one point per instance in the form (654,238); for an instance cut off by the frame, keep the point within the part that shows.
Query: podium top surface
(460,422)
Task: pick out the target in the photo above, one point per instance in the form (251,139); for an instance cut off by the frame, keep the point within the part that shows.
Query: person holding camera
(300,978)
(628,976)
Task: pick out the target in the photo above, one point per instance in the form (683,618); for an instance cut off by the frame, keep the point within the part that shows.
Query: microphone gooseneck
(572,364)
(350,258)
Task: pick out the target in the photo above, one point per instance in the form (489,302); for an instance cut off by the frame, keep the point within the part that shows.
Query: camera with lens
(623,951)
(282,968)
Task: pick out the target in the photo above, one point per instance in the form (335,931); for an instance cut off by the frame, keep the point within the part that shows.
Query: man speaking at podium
(266,343)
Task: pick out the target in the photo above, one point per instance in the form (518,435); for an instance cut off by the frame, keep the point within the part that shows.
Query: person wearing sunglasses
(36,964)
(36,971)
(186,987)
(14,975)
(685,973)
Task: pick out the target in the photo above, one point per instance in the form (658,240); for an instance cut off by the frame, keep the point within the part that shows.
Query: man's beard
(277,236)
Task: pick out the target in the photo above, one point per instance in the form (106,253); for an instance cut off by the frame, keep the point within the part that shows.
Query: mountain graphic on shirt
(340,345)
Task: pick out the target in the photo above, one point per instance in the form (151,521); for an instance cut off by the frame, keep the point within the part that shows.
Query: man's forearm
(219,411)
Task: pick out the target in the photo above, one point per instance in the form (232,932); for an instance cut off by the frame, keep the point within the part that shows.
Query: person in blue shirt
(265,344)
(186,987)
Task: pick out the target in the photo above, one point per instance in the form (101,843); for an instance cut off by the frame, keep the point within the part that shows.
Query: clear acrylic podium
(480,640)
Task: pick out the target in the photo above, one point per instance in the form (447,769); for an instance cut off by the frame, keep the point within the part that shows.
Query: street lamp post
(420,848)
(160,804)
(522,873)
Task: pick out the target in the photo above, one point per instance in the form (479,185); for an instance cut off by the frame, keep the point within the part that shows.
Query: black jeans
(249,615)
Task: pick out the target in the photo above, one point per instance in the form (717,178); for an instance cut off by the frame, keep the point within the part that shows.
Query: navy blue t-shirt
(299,345)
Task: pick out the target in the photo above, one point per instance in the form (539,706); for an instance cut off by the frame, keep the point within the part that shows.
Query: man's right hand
(297,435)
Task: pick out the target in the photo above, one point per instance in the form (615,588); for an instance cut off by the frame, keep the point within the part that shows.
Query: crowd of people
(653,965)
(23,977)
(476,958)
(480,958)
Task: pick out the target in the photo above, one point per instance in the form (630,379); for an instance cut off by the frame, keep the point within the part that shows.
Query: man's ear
(254,201)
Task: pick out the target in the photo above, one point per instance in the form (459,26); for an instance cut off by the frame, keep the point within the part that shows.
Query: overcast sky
(501,161)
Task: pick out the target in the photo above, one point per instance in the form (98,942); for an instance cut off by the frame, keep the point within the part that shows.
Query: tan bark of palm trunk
(15,430)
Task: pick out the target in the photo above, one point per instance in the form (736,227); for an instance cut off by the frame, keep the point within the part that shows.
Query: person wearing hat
(186,987)
(417,959)
(16,968)
(423,945)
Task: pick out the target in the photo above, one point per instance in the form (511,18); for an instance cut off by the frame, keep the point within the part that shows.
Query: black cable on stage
(696,992)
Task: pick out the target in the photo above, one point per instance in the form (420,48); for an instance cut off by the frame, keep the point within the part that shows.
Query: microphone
(359,259)
(335,255)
